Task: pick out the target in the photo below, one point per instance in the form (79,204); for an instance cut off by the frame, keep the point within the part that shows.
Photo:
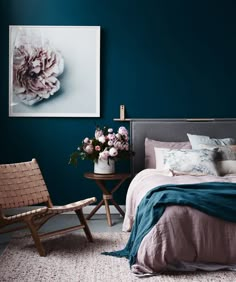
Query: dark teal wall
(166,58)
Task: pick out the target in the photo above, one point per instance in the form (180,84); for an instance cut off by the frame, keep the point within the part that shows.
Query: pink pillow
(150,159)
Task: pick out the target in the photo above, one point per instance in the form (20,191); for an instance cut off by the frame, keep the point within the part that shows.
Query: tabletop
(114,176)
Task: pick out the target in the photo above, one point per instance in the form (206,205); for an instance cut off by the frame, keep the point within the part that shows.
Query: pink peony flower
(117,144)
(97,148)
(89,149)
(102,139)
(104,155)
(113,152)
(110,143)
(86,140)
(35,72)
(118,136)
(111,136)
(98,133)
(123,131)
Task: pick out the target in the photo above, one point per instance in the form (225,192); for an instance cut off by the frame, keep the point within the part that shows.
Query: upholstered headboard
(174,130)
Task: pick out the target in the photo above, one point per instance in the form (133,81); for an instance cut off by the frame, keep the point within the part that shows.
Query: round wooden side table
(101,180)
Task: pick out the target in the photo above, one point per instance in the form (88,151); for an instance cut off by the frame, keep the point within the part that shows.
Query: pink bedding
(183,238)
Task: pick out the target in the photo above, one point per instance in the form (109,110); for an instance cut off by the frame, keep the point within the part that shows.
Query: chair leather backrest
(22,184)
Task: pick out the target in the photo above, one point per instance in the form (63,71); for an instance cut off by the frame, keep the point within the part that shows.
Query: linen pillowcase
(191,162)
(197,140)
(226,167)
(150,144)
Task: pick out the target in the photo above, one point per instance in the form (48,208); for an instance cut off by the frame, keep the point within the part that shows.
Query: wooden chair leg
(36,239)
(83,222)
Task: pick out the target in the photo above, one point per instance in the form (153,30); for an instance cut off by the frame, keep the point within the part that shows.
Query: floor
(98,223)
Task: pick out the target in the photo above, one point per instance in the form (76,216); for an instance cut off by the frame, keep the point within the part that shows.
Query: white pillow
(227,167)
(192,162)
(197,140)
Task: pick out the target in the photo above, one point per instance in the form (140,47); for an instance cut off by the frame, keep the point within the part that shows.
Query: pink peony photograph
(54,71)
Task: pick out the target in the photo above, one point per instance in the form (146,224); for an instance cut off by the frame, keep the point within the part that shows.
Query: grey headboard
(174,130)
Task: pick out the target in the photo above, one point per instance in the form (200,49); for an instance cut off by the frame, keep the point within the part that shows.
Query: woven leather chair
(22,185)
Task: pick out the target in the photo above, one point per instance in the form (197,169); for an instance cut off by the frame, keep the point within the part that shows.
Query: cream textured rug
(70,258)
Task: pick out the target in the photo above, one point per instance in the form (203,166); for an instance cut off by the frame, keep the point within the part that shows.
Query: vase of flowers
(104,149)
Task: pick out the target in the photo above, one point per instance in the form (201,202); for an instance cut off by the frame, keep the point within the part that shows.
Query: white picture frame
(54,71)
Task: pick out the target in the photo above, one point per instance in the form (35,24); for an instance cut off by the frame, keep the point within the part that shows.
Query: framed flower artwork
(54,71)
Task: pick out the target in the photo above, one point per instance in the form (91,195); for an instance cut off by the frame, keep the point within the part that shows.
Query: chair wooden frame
(22,185)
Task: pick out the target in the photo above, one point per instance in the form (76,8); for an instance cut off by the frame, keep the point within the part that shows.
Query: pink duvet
(183,237)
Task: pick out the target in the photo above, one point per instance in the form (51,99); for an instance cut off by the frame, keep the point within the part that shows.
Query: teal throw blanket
(214,198)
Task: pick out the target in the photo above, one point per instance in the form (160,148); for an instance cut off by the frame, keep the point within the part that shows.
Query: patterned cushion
(194,162)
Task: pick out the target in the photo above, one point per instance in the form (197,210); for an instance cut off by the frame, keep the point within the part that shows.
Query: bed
(184,238)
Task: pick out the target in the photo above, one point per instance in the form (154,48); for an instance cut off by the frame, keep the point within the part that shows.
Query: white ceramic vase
(102,167)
